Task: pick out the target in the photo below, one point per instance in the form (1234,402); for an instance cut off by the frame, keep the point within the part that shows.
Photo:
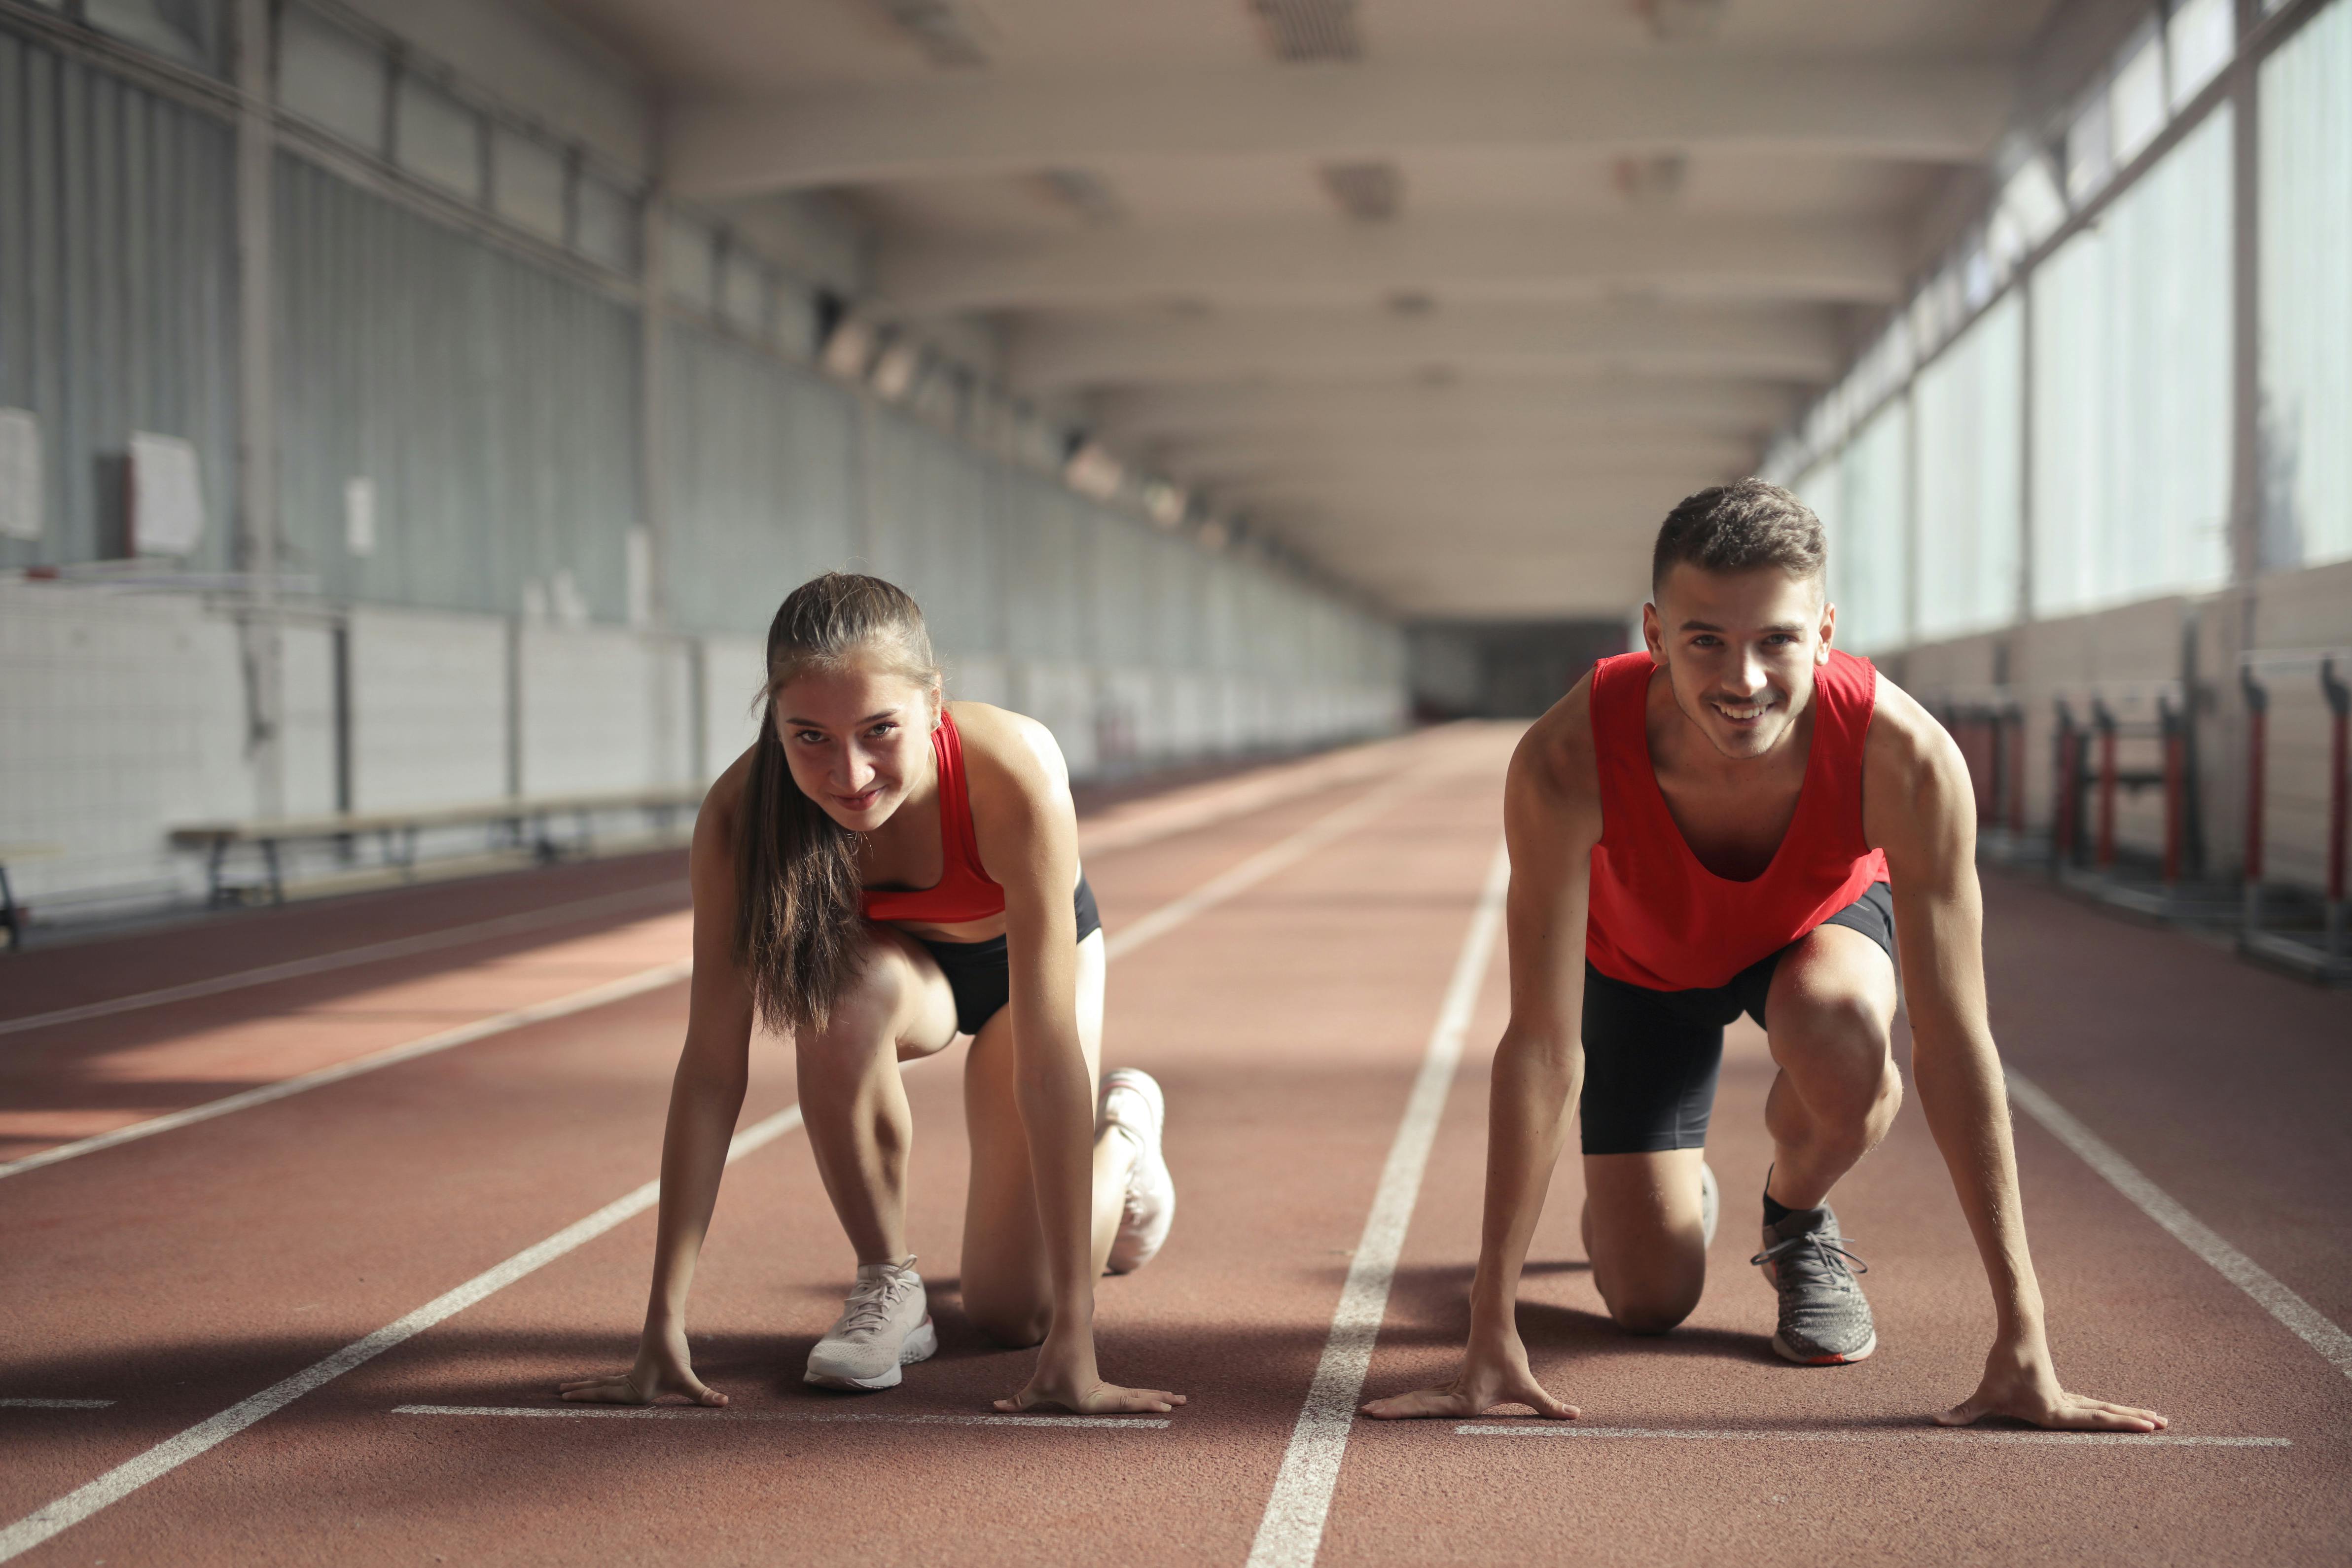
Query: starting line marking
(54,1404)
(1850,1435)
(695,1412)
(1291,1529)
(63,1513)
(2302,1319)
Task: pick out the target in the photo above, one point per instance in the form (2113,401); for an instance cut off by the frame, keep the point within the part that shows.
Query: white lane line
(173,1452)
(1150,823)
(694,1413)
(1292,1528)
(400,947)
(54,1404)
(1275,857)
(466,1034)
(2300,1316)
(1892,1435)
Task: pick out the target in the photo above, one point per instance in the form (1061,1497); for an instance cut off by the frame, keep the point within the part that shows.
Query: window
(2200,38)
(527,180)
(1869,550)
(437,138)
(689,263)
(2131,366)
(2136,102)
(1970,452)
(331,77)
(2089,160)
(2306,310)
(192,32)
(606,232)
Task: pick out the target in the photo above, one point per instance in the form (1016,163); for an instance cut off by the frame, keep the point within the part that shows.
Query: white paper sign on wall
(167,496)
(20,475)
(359,516)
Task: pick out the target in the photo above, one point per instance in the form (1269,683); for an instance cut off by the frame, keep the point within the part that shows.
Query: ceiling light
(1093,471)
(1165,503)
(1085,193)
(896,372)
(945,30)
(1367,192)
(1301,32)
(848,349)
(1681,21)
(1412,303)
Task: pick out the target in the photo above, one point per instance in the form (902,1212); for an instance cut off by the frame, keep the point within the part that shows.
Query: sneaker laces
(869,1307)
(1828,1259)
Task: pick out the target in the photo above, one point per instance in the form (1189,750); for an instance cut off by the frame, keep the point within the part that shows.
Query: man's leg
(1642,1232)
(1830,1014)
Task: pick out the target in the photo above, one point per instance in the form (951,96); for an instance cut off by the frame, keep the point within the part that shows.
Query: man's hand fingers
(1420,1403)
(1960,1415)
(1533,1394)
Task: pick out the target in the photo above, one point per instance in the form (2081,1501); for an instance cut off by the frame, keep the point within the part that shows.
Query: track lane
(807,1208)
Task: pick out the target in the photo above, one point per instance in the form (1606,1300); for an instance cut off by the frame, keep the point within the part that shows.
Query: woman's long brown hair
(799,915)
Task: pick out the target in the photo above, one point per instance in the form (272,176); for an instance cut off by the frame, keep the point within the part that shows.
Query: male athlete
(1710,828)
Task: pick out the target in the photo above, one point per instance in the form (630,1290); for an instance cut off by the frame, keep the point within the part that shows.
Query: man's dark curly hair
(1740,526)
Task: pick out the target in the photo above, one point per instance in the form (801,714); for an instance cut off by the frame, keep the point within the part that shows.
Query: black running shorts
(1650,1056)
(981,975)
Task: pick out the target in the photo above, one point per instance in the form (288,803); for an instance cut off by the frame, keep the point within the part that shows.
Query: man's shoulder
(1911,765)
(1556,760)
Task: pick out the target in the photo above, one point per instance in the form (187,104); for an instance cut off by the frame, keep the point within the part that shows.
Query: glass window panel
(743,292)
(2201,36)
(607,232)
(2306,308)
(689,262)
(1869,550)
(2089,160)
(527,180)
(438,137)
(2032,197)
(331,77)
(2131,366)
(1969,405)
(2136,102)
(188,31)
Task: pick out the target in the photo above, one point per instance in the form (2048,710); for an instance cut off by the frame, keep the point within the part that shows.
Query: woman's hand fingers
(1103,1399)
(633,1387)
(1421,1405)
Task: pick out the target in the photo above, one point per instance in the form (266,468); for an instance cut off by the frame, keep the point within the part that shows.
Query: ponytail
(800,910)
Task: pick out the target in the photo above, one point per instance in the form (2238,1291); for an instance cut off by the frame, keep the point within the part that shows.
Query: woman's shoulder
(1008,754)
(723,799)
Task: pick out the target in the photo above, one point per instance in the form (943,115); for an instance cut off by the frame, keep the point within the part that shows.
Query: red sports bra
(1660,919)
(964,892)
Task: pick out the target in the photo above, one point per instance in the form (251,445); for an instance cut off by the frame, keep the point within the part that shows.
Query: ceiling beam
(1053,353)
(1246,461)
(982,122)
(1321,260)
(1136,416)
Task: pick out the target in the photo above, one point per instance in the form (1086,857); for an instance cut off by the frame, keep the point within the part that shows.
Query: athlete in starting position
(881,872)
(1708,828)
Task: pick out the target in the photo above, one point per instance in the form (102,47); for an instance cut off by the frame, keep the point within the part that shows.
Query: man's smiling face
(1741,649)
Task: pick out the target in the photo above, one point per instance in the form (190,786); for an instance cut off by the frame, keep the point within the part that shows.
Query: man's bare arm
(1919,808)
(1551,820)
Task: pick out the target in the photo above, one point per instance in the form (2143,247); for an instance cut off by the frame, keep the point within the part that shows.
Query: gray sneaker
(1824,1322)
(884,1326)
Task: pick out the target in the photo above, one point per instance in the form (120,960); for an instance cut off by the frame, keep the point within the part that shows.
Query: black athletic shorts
(981,976)
(1650,1056)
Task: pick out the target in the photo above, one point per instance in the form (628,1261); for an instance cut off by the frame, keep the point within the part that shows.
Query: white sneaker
(885,1324)
(1710,1202)
(1132,1102)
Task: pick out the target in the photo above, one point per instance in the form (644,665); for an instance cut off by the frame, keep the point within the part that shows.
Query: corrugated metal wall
(118,292)
(491,401)
(759,487)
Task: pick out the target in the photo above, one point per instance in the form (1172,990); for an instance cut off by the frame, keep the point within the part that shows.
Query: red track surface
(180,1273)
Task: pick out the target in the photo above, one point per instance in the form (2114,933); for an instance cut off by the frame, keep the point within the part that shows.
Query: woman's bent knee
(1650,1315)
(1018,1324)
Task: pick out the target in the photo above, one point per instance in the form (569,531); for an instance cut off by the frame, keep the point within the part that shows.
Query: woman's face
(857,739)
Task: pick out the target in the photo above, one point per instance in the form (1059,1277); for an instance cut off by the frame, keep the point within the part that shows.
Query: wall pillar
(262,649)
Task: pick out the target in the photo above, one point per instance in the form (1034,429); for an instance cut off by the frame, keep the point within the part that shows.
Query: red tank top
(964,892)
(1659,919)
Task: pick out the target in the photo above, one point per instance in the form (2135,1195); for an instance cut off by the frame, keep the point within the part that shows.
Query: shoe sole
(917,1346)
(1122,1260)
(1789,1353)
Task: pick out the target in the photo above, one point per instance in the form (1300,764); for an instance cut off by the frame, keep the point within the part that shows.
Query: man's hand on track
(662,1374)
(2022,1384)
(1066,1380)
(1488,1378)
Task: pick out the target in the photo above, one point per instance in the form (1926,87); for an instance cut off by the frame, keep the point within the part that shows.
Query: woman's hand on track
(2020,1382)
(1067,1381)
(663,1372)
(1491,1375)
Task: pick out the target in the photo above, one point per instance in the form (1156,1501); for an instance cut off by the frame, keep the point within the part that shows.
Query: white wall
(428,709)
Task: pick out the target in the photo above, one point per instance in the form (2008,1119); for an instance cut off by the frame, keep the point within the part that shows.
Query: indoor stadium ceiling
(1454,296)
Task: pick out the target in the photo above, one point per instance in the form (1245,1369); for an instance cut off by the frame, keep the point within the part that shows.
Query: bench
(10,915)
(522,821)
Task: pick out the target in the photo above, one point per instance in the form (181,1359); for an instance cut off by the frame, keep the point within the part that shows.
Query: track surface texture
(179,1274)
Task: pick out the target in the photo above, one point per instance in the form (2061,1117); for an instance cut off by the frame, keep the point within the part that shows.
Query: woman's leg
(1006,1289)
(852,1100)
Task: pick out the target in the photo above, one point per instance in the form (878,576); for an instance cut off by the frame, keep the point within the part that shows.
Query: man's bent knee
(1015,1324)
(1645,1313)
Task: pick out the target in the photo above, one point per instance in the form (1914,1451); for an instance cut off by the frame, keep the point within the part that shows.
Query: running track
(1296,948)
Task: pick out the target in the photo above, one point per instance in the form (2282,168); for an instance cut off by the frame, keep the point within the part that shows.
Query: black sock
(1774,1211)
